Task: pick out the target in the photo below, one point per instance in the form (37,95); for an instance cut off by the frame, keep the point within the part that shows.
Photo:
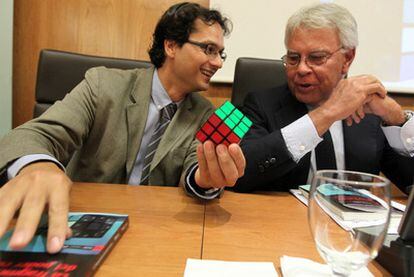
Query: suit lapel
(290,110)
(138,108)
(181,121)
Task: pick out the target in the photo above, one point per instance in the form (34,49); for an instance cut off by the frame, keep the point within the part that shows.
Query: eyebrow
(314,51)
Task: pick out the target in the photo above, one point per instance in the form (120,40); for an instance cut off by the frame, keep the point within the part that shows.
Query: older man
(321,119)
(123,126)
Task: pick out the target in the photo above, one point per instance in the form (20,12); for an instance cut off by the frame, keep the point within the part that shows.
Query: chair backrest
(59,72)
(252,74)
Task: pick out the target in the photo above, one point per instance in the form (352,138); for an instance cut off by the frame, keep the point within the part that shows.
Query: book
(350,204)
(93,237)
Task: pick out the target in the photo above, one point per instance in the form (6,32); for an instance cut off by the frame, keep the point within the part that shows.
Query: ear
(349,58)
(170,47)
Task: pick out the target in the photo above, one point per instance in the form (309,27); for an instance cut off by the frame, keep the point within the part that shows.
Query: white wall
(6,55)
(382,25)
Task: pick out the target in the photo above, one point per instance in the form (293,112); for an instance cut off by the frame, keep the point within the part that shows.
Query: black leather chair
(59,72)
(252,74)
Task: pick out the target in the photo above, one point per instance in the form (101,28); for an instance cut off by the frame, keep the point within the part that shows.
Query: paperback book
(350,204)
(93,236)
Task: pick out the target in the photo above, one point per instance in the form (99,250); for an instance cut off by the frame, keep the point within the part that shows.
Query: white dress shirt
(301,137)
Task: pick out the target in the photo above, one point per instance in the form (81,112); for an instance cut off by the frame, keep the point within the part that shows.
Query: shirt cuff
(401,139)
(193,189)
(17,165)
(301,137)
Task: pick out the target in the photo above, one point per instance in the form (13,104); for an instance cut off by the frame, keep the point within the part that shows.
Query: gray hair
(325,15)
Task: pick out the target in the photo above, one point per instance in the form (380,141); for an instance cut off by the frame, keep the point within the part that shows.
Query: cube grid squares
(225,126)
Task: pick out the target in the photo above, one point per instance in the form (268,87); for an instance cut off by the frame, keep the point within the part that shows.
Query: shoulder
(200,103)
(270,97)
(113,76)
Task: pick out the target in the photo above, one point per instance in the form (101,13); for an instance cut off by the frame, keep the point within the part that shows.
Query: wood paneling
(114,28)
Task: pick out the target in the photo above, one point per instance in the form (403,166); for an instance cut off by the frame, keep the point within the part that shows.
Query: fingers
(349,121)
(238,158)
(202,166)
(29,218)
(376,88)
(227,165)
(58,220)
(360,113)
(10,203)
(34,187)
(217,178)
(219,166)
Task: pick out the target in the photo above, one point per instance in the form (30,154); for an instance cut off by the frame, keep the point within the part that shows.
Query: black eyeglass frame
(205,46)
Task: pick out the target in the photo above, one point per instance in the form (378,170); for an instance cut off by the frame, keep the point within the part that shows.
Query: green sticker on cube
(227,108)
(247,121)
(220,114)
(229,123)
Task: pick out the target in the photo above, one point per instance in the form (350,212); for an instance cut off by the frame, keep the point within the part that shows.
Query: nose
(216,61)
(303,68)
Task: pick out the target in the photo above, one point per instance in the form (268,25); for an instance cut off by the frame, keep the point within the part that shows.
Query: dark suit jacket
(269,163)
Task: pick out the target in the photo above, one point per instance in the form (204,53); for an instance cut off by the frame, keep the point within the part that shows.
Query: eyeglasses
(210,50)
(316,58)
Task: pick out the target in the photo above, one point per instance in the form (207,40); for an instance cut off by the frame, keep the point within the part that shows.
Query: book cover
(350,204)
(93,236)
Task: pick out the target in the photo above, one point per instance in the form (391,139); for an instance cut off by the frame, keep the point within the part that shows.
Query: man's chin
(312,99)
(203,86)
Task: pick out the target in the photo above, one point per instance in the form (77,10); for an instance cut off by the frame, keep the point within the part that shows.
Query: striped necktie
(166,116)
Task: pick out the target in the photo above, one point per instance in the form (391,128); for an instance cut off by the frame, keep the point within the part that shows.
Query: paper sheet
(212,268)
(298,267)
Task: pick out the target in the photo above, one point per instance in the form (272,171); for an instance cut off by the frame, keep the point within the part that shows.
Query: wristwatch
(408,115)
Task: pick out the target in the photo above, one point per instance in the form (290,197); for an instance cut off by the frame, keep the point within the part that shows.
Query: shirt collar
(159,95)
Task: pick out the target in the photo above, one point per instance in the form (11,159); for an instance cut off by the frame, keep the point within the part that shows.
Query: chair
(252,74)
(59,72)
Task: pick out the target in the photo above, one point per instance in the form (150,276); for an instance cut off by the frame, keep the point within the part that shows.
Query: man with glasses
(321,119)
(123,126)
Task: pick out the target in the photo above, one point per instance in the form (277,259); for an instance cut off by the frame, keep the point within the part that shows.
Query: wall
(6,43)
(99,27)
(117,28)
(386,36)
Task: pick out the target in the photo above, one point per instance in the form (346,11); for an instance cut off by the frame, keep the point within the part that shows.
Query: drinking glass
(349,196)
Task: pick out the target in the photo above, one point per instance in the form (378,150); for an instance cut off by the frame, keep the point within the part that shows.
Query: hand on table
(219,166)
(36,186)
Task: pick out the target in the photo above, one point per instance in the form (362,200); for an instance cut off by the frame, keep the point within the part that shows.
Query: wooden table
(167,227)
(261,227)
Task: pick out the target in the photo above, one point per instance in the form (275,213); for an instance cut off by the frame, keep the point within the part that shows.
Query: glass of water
(347,196)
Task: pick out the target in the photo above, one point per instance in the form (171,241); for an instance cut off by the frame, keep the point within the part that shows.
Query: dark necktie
(166,115)
(325,153)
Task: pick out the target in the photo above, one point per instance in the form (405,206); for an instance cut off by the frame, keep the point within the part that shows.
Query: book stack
(350,208)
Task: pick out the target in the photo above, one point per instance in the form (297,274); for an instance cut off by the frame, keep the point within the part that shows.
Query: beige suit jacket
(96,130)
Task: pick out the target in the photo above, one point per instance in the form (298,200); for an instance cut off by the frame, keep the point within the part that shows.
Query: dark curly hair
(177,23)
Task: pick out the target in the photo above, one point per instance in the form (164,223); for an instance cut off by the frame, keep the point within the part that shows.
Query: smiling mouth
(208,72)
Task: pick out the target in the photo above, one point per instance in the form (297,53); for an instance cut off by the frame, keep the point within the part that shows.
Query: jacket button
(261,168)
(272,160)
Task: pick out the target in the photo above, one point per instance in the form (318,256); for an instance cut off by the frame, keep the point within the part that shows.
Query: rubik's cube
(225,126)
